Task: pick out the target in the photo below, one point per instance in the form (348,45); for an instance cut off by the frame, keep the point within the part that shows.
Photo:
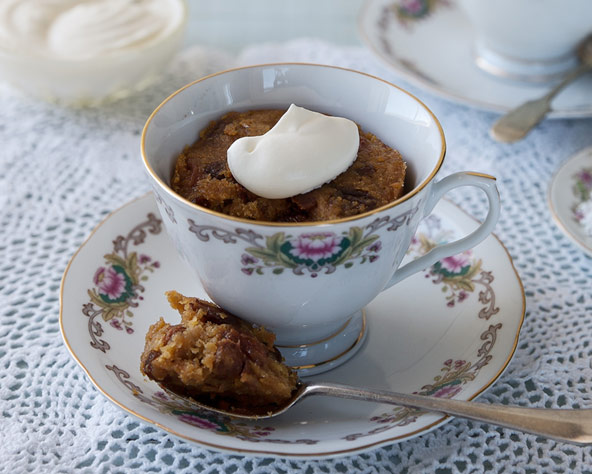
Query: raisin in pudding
(374,177)
(215,357)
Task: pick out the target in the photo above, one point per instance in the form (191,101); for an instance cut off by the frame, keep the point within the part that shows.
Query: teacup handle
(467,178)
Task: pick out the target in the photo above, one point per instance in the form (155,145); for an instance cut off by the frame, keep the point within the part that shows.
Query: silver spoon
(568,425)
(514,125)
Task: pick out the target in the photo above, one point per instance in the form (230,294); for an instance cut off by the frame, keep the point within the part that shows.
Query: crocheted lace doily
(62,170)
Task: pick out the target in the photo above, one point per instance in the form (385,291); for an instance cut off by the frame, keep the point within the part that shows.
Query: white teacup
(312,300)
(528,40)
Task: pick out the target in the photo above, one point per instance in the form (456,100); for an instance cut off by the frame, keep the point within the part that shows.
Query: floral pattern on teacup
(168,209)
(118,283)
(309,253)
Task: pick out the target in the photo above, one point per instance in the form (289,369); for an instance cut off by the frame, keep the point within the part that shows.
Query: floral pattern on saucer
(570,198)
(582,186)
(431,46)
(443,356)
(455,373)
(185,411)
(459,276)
(409,11)
(118,284)
(582,189)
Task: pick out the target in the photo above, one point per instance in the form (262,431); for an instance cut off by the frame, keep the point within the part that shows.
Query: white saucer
(563,198)
(448,332)
(434,50)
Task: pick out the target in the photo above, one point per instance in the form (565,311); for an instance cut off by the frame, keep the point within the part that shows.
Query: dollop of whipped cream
(303,151)
(81,29)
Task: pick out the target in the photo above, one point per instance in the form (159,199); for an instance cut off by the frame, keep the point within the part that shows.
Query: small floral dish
(570,195)
(456,331)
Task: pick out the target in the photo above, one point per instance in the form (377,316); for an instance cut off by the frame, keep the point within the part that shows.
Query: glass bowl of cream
(85,52)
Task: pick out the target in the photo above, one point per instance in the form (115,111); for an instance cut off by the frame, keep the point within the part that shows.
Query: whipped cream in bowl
(83,52)
(303,151)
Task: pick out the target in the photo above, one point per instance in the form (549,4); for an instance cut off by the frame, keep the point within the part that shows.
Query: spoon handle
(568,425)
(518,122)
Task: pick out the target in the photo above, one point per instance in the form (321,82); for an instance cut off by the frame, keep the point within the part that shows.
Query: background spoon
(568,425)
(514,125)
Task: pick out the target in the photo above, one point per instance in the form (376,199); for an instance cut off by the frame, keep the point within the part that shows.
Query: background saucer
(447,332)
(563,199)
(433,49)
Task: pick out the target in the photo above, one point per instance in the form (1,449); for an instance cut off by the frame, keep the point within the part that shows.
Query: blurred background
(217,24)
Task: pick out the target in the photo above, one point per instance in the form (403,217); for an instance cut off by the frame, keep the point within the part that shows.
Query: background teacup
(311,300)
(528,40)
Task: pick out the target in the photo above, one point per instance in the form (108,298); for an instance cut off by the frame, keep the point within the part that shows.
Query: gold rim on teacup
(412,192)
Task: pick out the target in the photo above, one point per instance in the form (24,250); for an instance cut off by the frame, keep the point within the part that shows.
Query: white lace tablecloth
(63,170)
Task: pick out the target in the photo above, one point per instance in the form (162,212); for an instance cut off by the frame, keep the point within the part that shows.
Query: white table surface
(62,171)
